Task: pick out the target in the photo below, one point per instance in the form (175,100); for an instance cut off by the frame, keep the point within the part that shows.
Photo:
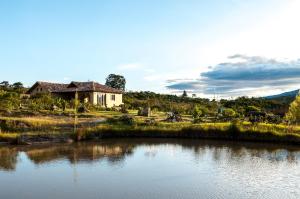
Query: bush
(124,119)
(197,112)
(146,112)
(9,100)
(229,113)
(127,119)
(82,109)
(150,122)
(123,109)
(173,117)
(275,119)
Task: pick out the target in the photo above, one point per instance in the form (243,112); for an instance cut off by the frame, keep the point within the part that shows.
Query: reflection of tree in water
(116,151)
(79,152)
(8,158)
(232,151)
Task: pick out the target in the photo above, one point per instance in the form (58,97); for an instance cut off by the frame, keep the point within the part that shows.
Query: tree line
(260,109)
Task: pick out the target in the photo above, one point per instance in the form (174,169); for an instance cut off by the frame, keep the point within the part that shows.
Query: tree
(184,94)
(4,84)
(293,114)
(116,81)
(18,85)
(9,100)
(197,112)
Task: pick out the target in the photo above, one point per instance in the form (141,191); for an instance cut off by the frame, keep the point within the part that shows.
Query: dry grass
(48,125)
(37,121)
(8,137)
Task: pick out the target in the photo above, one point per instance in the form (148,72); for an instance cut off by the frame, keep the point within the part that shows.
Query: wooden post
(75,110)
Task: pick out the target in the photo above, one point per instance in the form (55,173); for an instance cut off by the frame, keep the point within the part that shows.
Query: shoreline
(32,130)
(95,134)
(232,134)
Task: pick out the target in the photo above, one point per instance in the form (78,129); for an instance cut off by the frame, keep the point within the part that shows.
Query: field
(102,124)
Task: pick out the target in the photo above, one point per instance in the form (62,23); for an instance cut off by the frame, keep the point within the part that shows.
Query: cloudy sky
(226,48)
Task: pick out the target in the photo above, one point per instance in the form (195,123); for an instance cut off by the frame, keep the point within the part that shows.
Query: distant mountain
(285,95)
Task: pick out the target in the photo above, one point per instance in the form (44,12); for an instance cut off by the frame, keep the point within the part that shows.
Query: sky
(223,48)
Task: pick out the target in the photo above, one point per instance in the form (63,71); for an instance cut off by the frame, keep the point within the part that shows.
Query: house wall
(109,102)
(38,89)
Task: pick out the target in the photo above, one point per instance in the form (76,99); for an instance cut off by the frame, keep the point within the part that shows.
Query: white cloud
(251,76)
(276,35)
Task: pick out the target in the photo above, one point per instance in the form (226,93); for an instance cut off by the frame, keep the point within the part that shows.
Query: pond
(150,169)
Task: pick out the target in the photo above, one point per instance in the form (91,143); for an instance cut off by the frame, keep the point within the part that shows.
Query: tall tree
(184,94)
(116,81)
(4,84)
(17,85)
(293,115)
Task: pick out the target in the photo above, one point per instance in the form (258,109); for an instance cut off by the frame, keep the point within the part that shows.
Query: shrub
(82,109)
(197,112)
(150,122)
(146,112)
(123,109)
(9,100)
(229,113)
(127,119)
(173,117)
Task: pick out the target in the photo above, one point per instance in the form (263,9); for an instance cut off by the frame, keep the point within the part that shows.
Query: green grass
(240,132)
(55,126)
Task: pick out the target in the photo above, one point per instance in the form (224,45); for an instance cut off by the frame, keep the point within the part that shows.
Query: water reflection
(8,158)
(116,151)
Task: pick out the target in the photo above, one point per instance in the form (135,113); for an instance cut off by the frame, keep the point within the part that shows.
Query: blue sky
(158,45)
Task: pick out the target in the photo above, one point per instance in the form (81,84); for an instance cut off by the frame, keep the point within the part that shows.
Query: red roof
(48,86)
(75,86)
(89,86)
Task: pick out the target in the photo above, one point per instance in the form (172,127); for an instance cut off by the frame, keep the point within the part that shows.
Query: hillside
(286,97)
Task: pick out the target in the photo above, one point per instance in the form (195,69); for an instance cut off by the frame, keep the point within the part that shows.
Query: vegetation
(293,115)
(242,108)
(240,132)
(116,81)
(184,94)
(45,116)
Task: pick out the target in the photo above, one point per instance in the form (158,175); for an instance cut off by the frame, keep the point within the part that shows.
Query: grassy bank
(61,128)
(226,131)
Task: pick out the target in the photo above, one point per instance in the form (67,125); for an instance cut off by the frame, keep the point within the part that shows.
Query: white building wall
(107,99)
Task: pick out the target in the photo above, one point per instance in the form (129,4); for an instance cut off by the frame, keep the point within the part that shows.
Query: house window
(113,97)
(101,99)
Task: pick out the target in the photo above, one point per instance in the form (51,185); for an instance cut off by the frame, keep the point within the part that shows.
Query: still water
(149,168)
